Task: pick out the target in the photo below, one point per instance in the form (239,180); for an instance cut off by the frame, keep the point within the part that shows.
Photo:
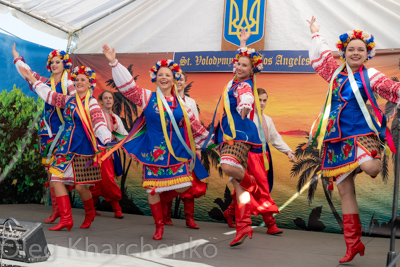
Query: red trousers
(107,187)
(255,166)
(197,189)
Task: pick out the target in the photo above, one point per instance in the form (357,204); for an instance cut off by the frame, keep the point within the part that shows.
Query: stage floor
(128,242)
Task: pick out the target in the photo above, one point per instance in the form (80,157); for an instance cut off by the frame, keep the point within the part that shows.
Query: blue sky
(12,25)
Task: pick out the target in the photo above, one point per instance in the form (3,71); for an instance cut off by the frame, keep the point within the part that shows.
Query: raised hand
(244,36)
(313,27)
(110,54)
(14,52)
(27,74)
(244,112)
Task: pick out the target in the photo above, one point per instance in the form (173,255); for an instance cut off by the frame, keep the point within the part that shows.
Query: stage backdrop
(293,104)
(35,55)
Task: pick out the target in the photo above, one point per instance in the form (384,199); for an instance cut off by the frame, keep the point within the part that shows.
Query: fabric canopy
(181,25)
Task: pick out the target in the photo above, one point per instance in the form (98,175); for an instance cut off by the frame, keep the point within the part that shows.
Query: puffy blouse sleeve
(127,86)
(321,57)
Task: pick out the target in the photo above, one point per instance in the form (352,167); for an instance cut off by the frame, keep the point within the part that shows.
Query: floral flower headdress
(255,57)
(366,37)
(88,72)
(63,56)
(176,70)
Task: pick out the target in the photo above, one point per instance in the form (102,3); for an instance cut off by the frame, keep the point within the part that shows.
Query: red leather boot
(156,211)
(167,213)
(117,209)
(56,212)
(188,207)
(96,193)
(250,185)
(90,213)
(64,207)
(229,213)
(243,224)
(352,237)
(270,223)
(95,199)
(166,198)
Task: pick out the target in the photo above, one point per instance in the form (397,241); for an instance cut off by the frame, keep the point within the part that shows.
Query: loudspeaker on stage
(22,241)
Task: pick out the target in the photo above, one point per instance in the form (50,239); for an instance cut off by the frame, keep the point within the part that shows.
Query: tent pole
(391,257)
(69,43)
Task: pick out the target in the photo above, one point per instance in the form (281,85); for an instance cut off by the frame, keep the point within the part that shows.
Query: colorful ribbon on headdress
(64,80)
(380,115)
(137,126)
(260,129)
(367,115)
(320,134)
(226,107)
(325,111)
(50,147)
(84,115)
(161,102)
(212,127)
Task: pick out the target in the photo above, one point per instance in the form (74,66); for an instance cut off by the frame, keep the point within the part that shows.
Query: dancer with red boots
(167,147)
(256,166)
(198,188)
(59,64)
(352,138)
(107,188)
(75,161)
(237,135)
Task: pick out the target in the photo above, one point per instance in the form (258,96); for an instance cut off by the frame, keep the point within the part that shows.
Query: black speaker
(22,241)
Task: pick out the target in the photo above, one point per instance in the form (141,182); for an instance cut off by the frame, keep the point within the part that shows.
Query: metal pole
(69,43)
(392,254)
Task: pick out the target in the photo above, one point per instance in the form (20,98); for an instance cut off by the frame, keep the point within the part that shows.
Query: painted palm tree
(314,223)
(308,167)
(218,213)
(122,105)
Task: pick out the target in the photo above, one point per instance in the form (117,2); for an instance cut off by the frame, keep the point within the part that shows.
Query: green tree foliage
(22,176)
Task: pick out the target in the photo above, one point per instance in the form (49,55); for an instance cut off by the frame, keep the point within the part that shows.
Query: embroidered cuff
(113,64)
(242,106)
(17,58)
(36,84)
(315,34)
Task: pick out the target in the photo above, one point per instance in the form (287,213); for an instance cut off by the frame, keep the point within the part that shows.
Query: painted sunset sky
(294,99)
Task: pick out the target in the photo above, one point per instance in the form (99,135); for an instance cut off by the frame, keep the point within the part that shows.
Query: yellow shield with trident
(247,14)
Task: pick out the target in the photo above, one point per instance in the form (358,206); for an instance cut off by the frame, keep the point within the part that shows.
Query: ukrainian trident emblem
(247,14)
